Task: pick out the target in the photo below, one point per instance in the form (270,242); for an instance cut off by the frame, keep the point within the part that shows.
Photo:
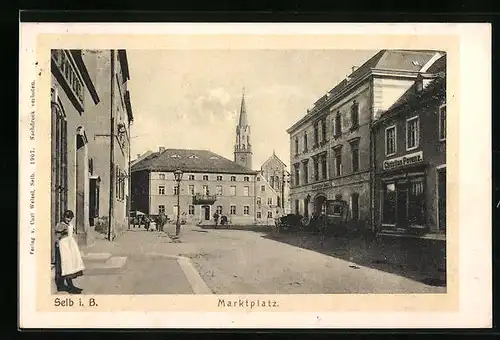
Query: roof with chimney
(189,160)
(243,121)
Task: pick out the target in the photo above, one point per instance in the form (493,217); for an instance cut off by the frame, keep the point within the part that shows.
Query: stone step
(96,257)
(112,265)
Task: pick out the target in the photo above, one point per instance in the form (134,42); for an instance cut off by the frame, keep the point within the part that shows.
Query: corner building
(331,146)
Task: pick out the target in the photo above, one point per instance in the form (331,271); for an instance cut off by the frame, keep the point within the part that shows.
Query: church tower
(242,147)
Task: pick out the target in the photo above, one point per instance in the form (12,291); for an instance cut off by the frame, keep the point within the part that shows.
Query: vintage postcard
(255,175)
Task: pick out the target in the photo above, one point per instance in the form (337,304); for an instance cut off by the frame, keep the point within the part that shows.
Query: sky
(190,99)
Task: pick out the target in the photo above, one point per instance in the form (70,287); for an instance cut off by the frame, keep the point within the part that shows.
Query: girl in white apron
(69,263)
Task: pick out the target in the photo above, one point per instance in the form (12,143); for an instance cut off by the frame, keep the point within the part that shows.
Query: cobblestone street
(239,262)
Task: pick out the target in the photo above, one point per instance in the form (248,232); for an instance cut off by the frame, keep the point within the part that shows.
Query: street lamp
(178,178)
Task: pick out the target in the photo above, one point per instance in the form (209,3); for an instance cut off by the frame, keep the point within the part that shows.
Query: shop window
(389,203)
(412,133)
(416,203)
(390,140)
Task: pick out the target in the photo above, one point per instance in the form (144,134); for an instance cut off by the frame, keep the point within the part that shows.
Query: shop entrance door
(402,205)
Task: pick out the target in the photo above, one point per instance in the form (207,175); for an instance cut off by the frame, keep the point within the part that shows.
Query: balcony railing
(199,199)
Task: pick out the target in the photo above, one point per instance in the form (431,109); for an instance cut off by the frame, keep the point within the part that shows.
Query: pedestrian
(277,221)
(69,263)
(147,221)
(216,218)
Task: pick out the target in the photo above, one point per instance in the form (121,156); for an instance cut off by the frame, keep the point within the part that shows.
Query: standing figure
(216,218)
(277,221)
(69,263)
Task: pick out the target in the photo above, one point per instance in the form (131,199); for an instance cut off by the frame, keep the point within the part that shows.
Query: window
(305,141)
(233,178)
(389,203)
(412,133)
(219,178)
(161,190)
(355,206)
(161,209)
(338,161)
(316,169)
(205,189)
(262,188)
(354,115)
(246,179)
(161,176)
(269,214)
(323,130)
(269,201)
(324,170)
(191,190)
(219,209)
(218,190)
(338,125)
(246,210)
(316,136)
(416,202)
(259,201)
(258,179)
(278,201)
(191,210)
(176,189)
(355,156)
(259,214)
(233,210)
(296,146)
(191,177)
(390,140)
(205,177)
(305,165)
(297,175)
(233,190)
(246,191)
(442,122)
(297,211)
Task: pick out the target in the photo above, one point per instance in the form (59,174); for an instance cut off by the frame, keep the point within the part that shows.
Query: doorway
(319,202)
(206,209)
(441,191)
(402,205)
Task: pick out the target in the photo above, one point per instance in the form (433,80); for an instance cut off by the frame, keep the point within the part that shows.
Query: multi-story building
(330,147)
(410,158)
(154,189)
(82,114)
(272,190)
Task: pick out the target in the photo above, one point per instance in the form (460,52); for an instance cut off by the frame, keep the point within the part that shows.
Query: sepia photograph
(240,173)
(319,182)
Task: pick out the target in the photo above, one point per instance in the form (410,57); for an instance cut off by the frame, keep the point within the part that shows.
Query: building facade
(273,189)
(154,189)
(331,146)
(78,101)
(410,158)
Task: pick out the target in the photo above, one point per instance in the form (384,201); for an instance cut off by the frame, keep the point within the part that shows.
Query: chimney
(354,68)
(161,149)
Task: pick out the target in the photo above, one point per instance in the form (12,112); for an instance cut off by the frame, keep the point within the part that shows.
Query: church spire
(243,112)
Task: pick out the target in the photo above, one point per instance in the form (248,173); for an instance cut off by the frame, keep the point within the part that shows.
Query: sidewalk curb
(194,278)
